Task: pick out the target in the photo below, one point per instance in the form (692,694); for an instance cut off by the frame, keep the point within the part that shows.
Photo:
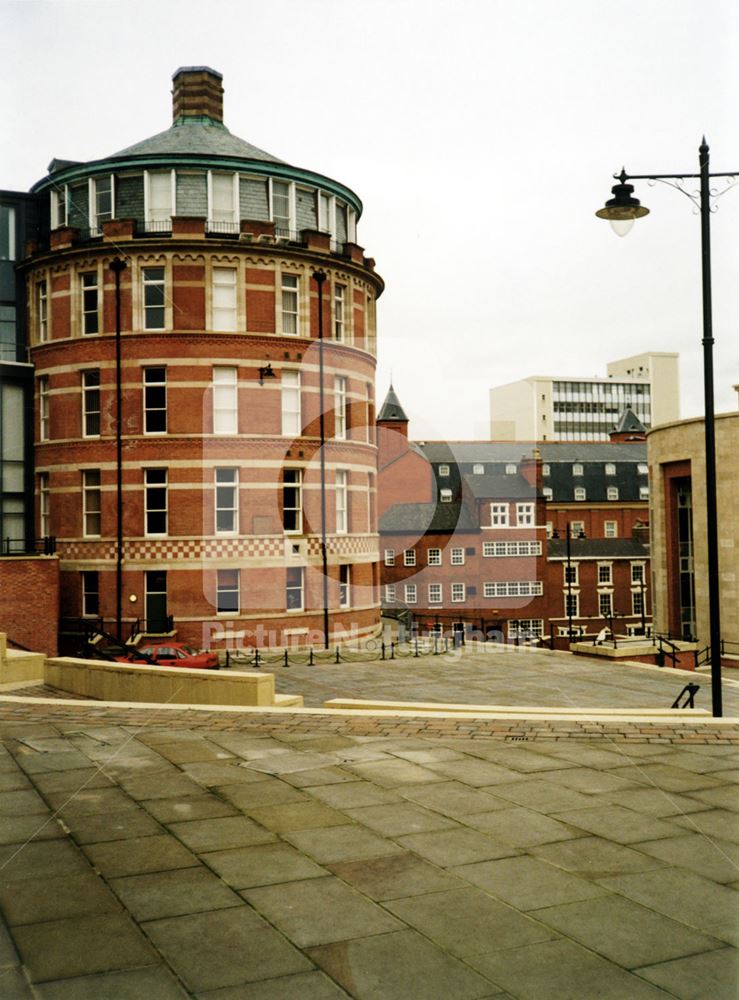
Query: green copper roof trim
(266,168)
(198,120)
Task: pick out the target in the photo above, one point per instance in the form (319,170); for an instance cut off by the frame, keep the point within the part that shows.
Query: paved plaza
(155,854)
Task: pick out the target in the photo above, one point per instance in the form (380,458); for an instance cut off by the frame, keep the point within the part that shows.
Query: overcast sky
(481,136)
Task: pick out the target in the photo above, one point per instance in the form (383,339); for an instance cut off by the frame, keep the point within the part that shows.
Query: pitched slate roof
(423,518)
(391,408)
(196,137)
(551,451)
(629,423)
(597,548)
(497,487)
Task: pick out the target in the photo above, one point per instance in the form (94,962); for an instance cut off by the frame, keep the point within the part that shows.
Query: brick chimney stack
(197,93)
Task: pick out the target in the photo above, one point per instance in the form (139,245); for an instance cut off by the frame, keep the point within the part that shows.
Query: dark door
(156,601)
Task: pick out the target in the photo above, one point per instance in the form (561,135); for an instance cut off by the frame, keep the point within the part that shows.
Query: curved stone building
(180,410)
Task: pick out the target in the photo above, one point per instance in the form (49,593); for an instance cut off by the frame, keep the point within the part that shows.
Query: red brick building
(488,552)
(184,477)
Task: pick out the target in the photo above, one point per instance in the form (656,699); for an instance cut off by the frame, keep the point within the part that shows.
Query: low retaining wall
(136,683)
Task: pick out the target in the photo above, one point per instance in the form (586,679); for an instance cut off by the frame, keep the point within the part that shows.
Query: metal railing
(20,547)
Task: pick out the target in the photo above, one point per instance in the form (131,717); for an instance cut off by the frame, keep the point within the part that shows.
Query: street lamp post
(320,277)
(621,211)
(568,544)
(117,266)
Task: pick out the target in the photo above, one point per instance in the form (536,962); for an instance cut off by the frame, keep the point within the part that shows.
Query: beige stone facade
(677,456)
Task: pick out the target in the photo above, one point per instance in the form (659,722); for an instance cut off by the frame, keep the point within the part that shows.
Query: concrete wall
(132,683)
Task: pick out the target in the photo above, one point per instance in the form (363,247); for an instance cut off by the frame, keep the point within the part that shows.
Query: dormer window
(101,193)
(478,469)
(282,206)
(223,200)
(577,469)
(159,196)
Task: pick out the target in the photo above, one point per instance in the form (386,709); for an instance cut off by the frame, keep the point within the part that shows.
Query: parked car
(176,654)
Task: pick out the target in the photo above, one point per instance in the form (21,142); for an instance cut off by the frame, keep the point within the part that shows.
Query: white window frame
(435,593)
(638,602)
(92,503)
(546,469)
(638,573)
(90,315)
(445,496)
(574,572)
(289,296)
(499,515)
(297,575)
(411,593)
(409,557)
(225,586)
(577,469)
(511,469)
(610,529)
(44,505)
(571,604)
(643,492)
(345,585)
(42,310)
(97,217)
(580,494)
(226,500)
(340,312)
(433,557)
(478,469)
(514,548)
(457,557)
(548,493)
(229,221)
(389,557)
(340,412)
(148,282)
(577,528)
(153,214)
(459,593)
(642,469)
(606,597)
(155,479)
(289,229)
(443,471)
(294,482)
(525,514)
(43,408)
(152,380)
(341,490)
(291,403)
(225,399)
(612,493)
(91,409)
(390,593)
(610,468)
(605,574)
(326,212)
(224,299)
(59,207)
(525,628)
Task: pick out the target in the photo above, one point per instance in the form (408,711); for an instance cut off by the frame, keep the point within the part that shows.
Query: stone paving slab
(383,908)
(561,970)
(714,974)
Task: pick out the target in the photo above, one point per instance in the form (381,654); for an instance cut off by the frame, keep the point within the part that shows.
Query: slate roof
(629,423)
(597,548)
(551,451)
(199,138)
(499,487)
(423,518)
(391,408)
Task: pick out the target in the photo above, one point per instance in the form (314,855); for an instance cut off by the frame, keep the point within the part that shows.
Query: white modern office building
(558,408)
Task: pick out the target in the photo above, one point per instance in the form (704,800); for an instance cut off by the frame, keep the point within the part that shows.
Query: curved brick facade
(220,416)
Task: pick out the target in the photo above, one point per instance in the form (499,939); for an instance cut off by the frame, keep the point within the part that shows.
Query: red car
(178,654)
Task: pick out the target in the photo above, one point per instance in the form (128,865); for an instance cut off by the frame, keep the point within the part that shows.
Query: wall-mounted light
(266,372)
